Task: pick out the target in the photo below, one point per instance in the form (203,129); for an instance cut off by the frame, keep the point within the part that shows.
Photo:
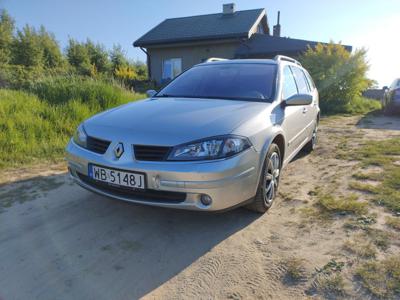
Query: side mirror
(151,93)
(299,99)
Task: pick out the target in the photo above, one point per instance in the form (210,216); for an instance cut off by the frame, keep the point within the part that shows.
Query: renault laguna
(216,137)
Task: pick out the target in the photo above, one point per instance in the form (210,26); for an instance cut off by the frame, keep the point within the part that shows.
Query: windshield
(225,81)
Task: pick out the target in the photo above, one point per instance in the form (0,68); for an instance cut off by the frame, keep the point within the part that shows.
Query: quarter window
(289,85)
(171,68)
(301,80)
(310,81)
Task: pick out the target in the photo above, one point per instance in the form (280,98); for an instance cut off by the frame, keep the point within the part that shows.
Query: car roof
(249,61)
(241,61)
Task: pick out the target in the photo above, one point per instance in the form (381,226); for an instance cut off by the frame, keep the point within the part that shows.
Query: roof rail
(286,58)
(214,59)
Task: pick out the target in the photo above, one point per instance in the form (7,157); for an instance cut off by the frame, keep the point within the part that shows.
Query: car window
(309,80)
(301,80)
(238,81)
(289,87)
(394,84)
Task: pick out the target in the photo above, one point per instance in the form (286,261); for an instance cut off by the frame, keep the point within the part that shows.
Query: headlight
(212,148)
(80,136)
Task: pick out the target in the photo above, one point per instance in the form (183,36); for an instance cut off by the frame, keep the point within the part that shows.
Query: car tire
(310,146)
(268,182)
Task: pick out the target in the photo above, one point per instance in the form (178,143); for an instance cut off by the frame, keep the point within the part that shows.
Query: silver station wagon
(214,138)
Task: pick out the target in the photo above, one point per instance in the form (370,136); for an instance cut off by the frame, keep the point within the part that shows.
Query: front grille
(151,153)
(126,192)
(97,145)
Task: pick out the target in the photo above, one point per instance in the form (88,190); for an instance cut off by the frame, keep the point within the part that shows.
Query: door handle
(305,110)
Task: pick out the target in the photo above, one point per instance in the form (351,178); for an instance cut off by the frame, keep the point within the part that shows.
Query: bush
(340,77)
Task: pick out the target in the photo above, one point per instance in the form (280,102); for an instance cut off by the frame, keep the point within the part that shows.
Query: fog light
(205,200)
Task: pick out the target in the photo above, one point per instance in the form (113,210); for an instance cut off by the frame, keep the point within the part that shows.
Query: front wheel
(269,181)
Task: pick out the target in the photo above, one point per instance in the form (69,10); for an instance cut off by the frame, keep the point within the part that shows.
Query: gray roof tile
(261,44)
(204,27)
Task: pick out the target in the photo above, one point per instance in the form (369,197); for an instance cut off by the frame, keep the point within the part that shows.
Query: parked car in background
(391,98)
(214,138)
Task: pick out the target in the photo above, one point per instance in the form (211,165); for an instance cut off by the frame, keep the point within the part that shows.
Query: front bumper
(228,182)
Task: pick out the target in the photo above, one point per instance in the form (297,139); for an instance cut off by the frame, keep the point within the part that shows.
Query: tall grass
(37,125)
(356,106)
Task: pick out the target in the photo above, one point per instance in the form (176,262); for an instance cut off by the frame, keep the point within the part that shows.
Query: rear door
(309,111)
(293,120)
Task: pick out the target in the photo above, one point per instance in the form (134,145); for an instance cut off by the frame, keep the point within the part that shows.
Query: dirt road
(58,241)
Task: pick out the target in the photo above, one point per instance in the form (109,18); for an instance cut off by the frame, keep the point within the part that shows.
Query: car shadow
(377,120)
(59,240)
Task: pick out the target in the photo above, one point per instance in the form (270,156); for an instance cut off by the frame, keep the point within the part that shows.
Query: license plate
(117,177)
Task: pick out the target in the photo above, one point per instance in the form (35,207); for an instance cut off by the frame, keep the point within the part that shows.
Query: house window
(171,68)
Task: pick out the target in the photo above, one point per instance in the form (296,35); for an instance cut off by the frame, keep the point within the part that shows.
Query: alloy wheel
(272,172)
(314,138)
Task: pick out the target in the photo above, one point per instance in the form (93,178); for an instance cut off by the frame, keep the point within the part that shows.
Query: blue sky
(371,24)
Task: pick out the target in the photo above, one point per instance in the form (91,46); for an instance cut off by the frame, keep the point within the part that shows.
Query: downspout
(148,61)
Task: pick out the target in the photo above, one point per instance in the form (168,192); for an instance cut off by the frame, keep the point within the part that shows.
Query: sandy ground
(58,241)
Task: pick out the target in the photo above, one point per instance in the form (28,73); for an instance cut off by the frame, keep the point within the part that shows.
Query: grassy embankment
(35,124)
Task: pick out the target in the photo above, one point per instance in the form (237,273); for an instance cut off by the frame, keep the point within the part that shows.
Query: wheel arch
(279,140)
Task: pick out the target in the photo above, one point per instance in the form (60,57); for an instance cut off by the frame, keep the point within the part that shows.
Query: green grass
(363,187)
(382,279)
(342,205)
(295,270)
(383,154)
(36,126)
(332,286)
(368,176)
(379,237)
(360,248)
(356,106)
(362,105)
(393,222)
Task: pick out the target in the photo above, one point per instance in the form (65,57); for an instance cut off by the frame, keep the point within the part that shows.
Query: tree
(52,56)
(98,56)
(339,75)
(141,70)
(78,57)
(6,36)
(118,59)
(27,50)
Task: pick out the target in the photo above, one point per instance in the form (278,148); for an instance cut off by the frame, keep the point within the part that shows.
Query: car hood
(171,121)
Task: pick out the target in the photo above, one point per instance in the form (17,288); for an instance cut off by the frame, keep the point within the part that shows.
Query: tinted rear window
(226,81)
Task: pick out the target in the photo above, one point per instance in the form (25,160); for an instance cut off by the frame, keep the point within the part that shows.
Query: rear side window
(395,84)
(302,84)
(309,80)
(289,87)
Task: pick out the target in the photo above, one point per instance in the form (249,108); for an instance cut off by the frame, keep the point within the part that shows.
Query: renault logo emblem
(118,150)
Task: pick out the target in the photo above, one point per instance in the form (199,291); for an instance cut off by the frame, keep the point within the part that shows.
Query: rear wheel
(310,146)
(269,181)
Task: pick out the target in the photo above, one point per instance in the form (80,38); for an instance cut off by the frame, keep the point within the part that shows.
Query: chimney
(277,27)
(228,9)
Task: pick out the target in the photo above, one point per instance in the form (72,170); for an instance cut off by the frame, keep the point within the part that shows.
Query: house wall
(191,54)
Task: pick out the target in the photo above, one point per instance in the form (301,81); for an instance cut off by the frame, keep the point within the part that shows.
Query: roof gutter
(148,61)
